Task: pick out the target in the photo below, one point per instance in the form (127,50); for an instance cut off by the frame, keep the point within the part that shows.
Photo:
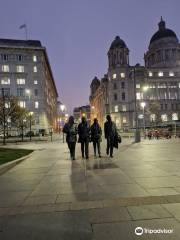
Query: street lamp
(143,104)
(137,133)
(30,123)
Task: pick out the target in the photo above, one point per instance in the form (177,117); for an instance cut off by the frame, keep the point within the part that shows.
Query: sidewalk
(50,197)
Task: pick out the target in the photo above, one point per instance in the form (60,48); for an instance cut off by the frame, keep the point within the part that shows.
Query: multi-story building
(25,72)
(99,99)
(154,88)
(83,111)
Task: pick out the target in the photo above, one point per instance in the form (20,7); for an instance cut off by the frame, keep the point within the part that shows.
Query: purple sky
(78,33)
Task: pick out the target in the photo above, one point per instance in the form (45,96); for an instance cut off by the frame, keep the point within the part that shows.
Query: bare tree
(155,108)
(10,111)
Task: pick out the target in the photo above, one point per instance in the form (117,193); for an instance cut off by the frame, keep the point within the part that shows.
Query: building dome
(118,43)
(163,32)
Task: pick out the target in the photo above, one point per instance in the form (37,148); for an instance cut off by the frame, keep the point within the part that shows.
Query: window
(22,104)
(20,92)
(115,97)
(138,95)
(21,81)
(174,116)
(4,57)
(5,68)
(152,117)
(179,85)
(138,86)
(6,92)
(160,74)
(150,74)
(36,92)
(34,69)
(124,120)
(122,75)
(116,108)
(164,117)
(5,81)
(20,68)
(19,58)
(36,104)
(124,108)
(34,58)
(123,96)
(35,82)
(171,74)
(7,104)
(115,86)
(123,85)
(114,76)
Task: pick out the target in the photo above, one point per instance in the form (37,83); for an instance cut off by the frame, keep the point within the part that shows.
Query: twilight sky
(78,33)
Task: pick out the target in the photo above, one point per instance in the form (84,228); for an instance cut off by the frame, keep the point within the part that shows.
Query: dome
(163,32)
(118,43)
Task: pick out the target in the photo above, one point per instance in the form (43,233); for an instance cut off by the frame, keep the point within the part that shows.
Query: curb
(5,167)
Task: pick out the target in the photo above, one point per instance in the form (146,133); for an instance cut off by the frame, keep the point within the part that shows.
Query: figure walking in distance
(96,136)
(84,137)
(110,132)
(70,129)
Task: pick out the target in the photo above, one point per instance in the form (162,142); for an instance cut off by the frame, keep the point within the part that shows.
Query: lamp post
(30,123)
(143,104)
(137,132)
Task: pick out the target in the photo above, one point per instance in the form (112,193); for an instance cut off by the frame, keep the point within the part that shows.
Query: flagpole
(26,32)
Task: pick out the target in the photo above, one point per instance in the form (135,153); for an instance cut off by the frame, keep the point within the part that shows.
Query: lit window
(160,74)
(124,120)
(164,117)
(5,68)
(21,81)
(150,74)
(20,68)
(5,81)
(22,104)
(122,75)
(152,117)
(140,116)
(34,58)
(124,108)
(36,104)
(174,116)
(138,95)
(7,104)
(114,76)
(116,108)
(171,74)
(138,86)
(34,69)
(35,82)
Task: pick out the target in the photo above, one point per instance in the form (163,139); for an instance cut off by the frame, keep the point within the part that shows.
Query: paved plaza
(48,196)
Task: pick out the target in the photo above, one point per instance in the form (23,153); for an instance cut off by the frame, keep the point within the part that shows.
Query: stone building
(83,111)
(154,88)
(25,72)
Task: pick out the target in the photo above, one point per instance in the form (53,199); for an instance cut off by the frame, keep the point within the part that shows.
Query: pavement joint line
(84,205)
